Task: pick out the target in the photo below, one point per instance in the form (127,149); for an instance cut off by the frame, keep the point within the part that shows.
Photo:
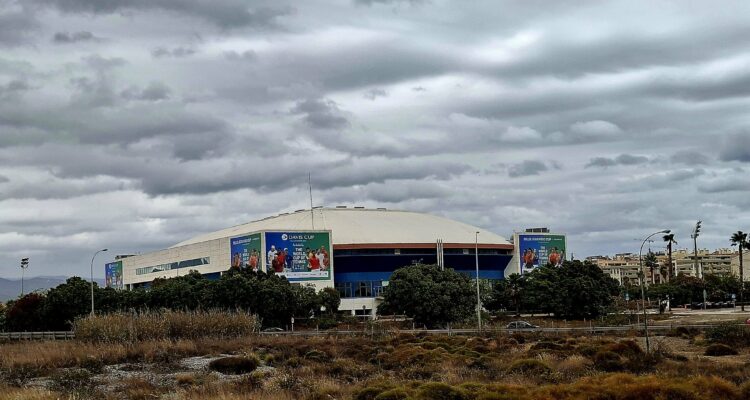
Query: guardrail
(57,335)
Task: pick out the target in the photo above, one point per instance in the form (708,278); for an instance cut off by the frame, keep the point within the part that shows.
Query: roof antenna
(312,214)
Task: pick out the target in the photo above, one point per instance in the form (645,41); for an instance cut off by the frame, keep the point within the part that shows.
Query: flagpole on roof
(312,213)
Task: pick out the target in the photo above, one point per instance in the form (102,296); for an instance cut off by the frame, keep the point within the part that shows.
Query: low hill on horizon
(11,288)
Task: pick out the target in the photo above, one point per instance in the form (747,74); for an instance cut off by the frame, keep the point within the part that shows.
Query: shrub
(439,391)
(529,366)
(393,394)
(73,380)
(547,346)
(608,361)
(371,392)
(234,365)
(730,334)
(719,349)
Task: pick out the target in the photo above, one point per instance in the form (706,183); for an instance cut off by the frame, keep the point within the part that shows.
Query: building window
(196,262)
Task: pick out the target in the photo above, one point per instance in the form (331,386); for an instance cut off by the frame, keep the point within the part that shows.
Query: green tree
(26,313)
(330,299)
(66,302)
(574,290)
(669,239)
(739,239)
(507,294)
(429,295)
(306,301)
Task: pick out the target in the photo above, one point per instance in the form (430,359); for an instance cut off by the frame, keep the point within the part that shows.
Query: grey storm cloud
(224,13)
(16,25)
(526,168)
(736,147)
(192,116)
(153,92)
(321,114)
(72,37)
(622,159)
(690,157)
(373,94)
(176,52)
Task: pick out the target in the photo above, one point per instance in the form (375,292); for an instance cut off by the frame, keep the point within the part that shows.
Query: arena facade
(354,250)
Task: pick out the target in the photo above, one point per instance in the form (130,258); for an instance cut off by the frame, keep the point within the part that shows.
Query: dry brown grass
(160,325)
(341,367)
(10,393)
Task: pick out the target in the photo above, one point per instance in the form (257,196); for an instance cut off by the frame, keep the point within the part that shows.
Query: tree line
(436,297)
(271,297)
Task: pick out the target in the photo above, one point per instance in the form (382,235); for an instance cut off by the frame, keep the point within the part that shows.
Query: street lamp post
(643,282)
(476,259)
(92,280)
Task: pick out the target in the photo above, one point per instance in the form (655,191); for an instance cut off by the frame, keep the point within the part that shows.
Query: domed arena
(354,250)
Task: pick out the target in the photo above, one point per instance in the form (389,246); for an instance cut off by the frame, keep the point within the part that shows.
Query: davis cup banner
(246,252)
(536,250)
(113,275)
(299,256)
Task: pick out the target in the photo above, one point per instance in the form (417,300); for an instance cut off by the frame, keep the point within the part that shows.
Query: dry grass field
(386,366)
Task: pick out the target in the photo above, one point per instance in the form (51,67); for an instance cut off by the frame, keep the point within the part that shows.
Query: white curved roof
(365,226)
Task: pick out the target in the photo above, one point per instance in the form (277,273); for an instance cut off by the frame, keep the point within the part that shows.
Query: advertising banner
(537,250)
(299,256)
(113,275)
(246,252)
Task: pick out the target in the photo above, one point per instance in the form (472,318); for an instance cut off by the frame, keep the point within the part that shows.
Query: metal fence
(58,335)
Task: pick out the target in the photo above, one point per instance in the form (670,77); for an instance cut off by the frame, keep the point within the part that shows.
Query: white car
(521,325)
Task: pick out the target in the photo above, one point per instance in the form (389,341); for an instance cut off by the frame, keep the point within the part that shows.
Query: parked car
(521,325)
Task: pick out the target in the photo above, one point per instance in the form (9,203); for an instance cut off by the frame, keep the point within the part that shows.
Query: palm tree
(650,262)
(739,239)
(669,238)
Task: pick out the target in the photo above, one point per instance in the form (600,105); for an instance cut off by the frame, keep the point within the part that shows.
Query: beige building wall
(745,264)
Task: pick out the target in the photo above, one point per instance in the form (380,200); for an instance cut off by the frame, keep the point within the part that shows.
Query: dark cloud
(526,168)
(321,114)
(736,147)
(16,24)
(224,13)
(67,37)
(177,52)
(690,157)
(622,159)
(373,94)
(153,92)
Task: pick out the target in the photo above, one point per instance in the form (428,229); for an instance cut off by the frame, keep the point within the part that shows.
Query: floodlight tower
(24,265)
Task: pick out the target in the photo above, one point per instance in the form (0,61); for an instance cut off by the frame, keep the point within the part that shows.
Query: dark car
(521,325)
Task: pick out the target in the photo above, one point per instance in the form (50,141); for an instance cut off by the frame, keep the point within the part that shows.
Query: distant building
(624,267)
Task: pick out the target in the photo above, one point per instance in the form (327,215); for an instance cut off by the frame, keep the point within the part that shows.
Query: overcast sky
(136,124)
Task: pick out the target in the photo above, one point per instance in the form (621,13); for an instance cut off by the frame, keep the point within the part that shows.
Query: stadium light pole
(643,283)
(24,265)
(92,279)
(476,259)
